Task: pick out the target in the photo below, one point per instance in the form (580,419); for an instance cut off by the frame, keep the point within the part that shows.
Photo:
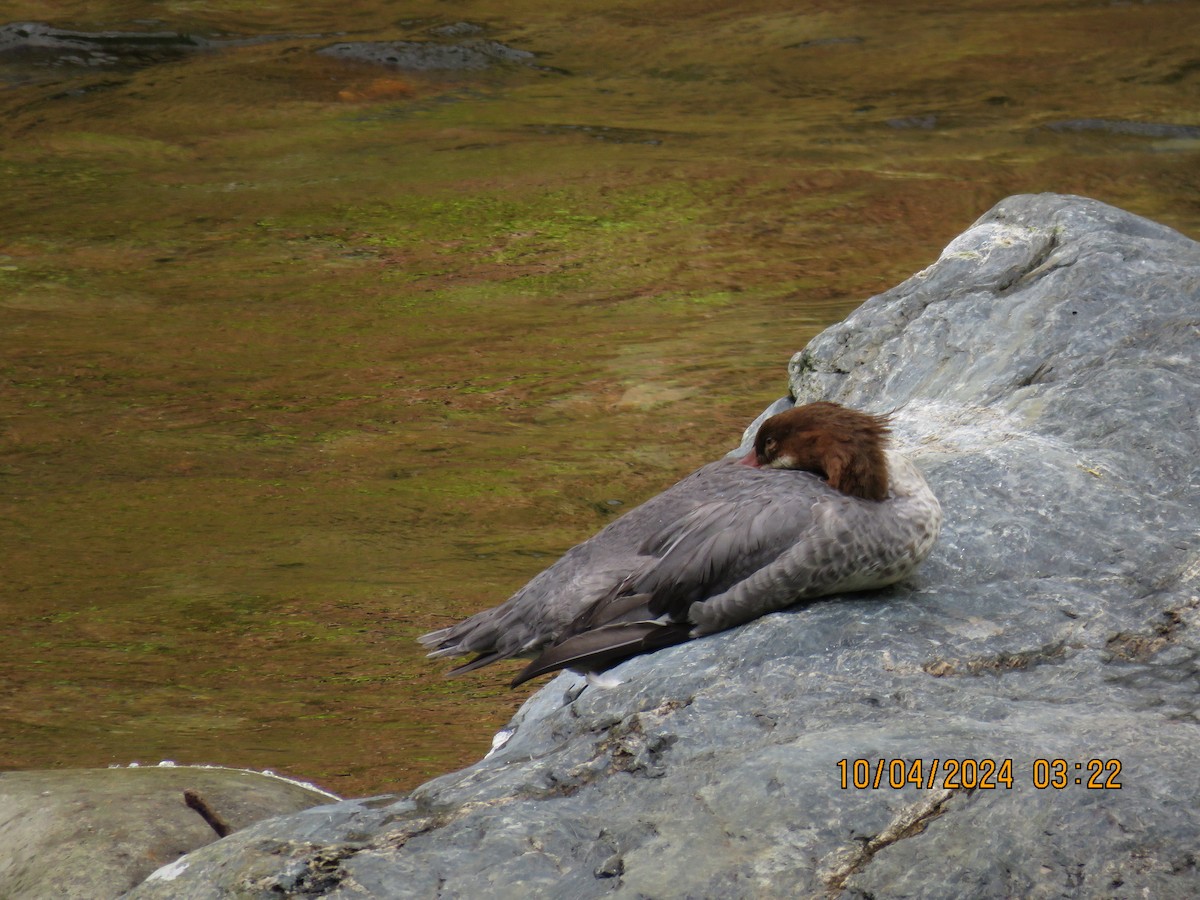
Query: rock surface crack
(908,822)
(1038,267)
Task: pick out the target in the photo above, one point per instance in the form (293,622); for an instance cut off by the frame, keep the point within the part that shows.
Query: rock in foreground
(94,833)
(1045,374)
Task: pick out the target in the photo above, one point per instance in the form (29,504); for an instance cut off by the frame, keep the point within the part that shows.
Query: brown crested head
(842,445)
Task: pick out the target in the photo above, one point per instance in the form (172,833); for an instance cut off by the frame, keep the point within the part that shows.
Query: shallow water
(304,357)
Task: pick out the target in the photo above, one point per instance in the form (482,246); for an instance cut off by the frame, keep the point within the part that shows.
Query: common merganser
(820,506)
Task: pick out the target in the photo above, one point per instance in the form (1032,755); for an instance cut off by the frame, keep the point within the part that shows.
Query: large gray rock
(96,833)
(1045,373)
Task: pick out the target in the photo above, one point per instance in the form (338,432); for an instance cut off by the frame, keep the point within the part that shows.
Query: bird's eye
(771,446)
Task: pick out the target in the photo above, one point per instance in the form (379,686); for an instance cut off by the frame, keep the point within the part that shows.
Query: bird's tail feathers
(604,647)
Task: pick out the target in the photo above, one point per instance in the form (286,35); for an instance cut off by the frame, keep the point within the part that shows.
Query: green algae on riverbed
(302,358)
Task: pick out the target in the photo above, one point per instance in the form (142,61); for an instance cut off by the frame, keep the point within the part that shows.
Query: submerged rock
(430,55)
(88,833)
(1045,374)
(37,43)
(1121,126)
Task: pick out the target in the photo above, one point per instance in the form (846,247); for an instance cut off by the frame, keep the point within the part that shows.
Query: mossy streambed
(303,356)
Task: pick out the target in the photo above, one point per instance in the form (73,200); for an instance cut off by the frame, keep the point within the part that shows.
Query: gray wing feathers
(713,548)
(844,549)
(529,620)
(543,608)
(804,569)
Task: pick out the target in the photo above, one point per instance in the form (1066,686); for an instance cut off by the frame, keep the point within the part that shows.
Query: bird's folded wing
(599,648)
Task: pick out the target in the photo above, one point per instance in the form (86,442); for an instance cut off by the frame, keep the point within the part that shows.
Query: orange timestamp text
(971,774)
